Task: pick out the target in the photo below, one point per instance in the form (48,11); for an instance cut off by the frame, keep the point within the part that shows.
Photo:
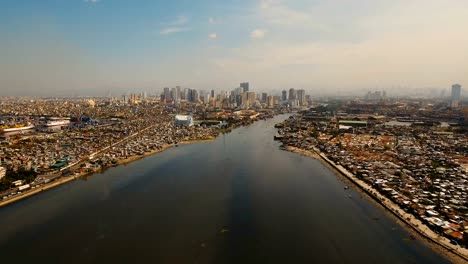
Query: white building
(184,120)
(2,172)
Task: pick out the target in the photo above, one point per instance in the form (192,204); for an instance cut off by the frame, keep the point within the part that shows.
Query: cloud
(213,36)
(91,1)
(258,34)
(211,20)
(171,30)
(181,20)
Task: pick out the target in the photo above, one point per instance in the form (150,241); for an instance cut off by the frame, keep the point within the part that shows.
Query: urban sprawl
(411,152)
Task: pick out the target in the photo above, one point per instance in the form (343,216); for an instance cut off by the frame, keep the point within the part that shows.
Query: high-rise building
(167,93)
(456,93)
(212,93)
(292,94)
(284,95)
(174,94)
(245,86)
(264,97)
(271,101)
(177,93)
(301,96)
(194,95)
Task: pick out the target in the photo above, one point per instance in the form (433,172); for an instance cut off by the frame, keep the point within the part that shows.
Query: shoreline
(455,254)
(66,179)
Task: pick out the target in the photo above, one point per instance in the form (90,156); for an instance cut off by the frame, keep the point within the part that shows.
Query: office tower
(245,86)
(301,96)
(251,96)
(456,92)
(178,93)
(271,101)
(174,94)
(212,94)
(264,97)
(284,95)
(238,99)
(292,94)
(167,93)
(194,96)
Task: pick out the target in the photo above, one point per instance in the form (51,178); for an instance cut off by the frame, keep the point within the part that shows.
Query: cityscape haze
(267,131)
(87,48)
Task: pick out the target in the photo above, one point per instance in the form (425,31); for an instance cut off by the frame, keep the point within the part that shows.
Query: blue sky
(64,46)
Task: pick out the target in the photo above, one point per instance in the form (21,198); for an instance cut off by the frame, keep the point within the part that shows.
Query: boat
(61,122)
(15,127)
(277,137)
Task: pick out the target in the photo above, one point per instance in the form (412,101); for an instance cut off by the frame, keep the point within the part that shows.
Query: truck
(24,187)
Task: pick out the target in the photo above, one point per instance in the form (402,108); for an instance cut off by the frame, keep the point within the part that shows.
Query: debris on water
(346,187)
(224,230)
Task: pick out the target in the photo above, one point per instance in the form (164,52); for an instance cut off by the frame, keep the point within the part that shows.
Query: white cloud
(412,45)
(171,30)
(181,20)
(175,26)
(211,20)
(213,36)
(258,34)
(91,1)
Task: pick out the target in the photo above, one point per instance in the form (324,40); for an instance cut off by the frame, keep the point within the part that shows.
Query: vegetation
(26,176)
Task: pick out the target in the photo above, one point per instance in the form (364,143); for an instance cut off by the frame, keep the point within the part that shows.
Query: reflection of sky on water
(277,207)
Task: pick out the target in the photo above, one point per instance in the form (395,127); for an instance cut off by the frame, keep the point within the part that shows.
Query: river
(238,199)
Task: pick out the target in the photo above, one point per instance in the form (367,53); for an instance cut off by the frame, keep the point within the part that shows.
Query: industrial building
(184,120)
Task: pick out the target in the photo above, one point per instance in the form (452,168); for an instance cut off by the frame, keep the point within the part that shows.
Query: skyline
(95,46)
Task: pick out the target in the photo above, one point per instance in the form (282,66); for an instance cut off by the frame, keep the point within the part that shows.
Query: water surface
(238,199)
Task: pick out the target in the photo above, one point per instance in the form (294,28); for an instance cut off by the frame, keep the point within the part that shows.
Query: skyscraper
(167,93)
(301,96)
(271,101)
(264,97)
(292,94)
(245,86)
(284,95)
(456,92)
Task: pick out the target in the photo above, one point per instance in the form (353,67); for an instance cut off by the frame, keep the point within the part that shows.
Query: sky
(93,47)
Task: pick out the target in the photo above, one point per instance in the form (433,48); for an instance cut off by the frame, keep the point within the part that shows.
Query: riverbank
(66,179)
(455,254)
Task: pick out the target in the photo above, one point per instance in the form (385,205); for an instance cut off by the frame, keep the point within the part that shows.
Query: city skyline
(89,47)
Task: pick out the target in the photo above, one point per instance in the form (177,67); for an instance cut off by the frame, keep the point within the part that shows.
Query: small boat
(276,137)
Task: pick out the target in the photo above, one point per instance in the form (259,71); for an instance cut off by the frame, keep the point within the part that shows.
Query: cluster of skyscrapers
(240,97)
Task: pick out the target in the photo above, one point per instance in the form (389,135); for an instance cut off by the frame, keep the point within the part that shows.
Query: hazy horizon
(91,47)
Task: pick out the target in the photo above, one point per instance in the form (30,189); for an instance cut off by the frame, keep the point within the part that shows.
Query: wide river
(238,199)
